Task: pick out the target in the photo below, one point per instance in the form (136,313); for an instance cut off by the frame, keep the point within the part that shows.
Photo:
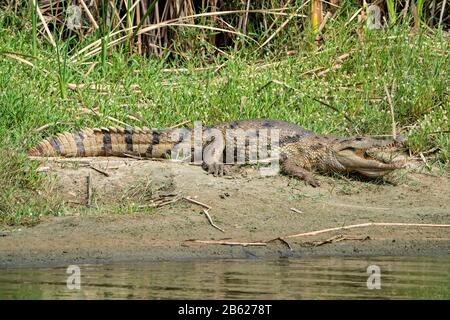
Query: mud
(247,206)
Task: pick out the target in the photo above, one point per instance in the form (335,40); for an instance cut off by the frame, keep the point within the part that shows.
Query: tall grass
(62,70)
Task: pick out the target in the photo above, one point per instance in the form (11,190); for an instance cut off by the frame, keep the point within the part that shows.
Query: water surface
(309,278)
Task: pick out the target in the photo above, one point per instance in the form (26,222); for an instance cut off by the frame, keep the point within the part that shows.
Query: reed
(34,27)
(391,11)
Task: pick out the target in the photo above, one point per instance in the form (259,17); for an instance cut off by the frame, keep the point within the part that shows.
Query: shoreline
(245,206)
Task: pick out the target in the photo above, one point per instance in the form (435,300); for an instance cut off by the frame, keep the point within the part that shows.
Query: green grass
(32,97)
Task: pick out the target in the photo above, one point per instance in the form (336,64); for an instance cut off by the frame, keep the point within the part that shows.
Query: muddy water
(311,278)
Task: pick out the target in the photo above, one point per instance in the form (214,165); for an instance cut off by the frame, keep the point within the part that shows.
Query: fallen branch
(106,174)
(296,210)
(282,241)
(197,202)
(339,238)
(229,243)
(369,224)
(159,205)
(211,221)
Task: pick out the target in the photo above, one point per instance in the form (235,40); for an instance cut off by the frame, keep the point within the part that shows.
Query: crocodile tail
(92,142)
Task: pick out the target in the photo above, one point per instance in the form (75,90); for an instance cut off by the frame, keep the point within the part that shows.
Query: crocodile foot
(215,168)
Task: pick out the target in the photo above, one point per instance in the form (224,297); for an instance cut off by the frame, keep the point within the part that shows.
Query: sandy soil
(248,207)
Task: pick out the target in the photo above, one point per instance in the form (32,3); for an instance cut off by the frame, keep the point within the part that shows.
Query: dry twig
(197,202)
(389,98)
(211,221)
(106,174)
(229,243)
(369,224)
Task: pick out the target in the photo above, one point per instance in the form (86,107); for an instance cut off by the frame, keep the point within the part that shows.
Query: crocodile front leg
(213,153)
(290,168)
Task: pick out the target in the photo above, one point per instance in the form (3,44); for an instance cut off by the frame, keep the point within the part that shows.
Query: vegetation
(165,62)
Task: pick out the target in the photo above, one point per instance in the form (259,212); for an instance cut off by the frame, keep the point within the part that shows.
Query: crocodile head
(369,157)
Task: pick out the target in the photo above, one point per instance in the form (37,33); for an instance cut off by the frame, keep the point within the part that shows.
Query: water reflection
(311,278)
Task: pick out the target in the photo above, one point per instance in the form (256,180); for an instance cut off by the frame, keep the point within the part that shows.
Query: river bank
(158,222)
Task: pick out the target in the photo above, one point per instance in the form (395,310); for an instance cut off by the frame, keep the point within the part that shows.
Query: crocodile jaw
(359,161)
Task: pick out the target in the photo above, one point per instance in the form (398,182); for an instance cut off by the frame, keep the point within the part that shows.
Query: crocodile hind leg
(292,169)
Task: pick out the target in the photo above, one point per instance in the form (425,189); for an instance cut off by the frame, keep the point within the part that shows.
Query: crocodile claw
(215,168)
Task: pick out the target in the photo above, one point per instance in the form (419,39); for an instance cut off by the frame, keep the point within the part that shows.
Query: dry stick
(106,174)
(180,124)
(330,240)
(205,211)
(361,225)
(47,30)
(339,238)
(91,18)
(197,202)
(296,210)
(388,95)
(89,190)
(282,241)
(211,221)
(229,243)
(156,204)
(167,202)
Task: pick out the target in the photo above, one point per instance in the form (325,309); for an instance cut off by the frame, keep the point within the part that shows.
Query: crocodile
(300,151)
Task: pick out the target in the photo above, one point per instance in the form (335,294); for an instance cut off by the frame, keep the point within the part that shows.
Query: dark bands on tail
(107,146)
(129,139)
(105,142)
(79,137)
(55,144)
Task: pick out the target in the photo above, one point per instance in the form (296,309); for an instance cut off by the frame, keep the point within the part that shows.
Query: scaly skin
(301,151)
